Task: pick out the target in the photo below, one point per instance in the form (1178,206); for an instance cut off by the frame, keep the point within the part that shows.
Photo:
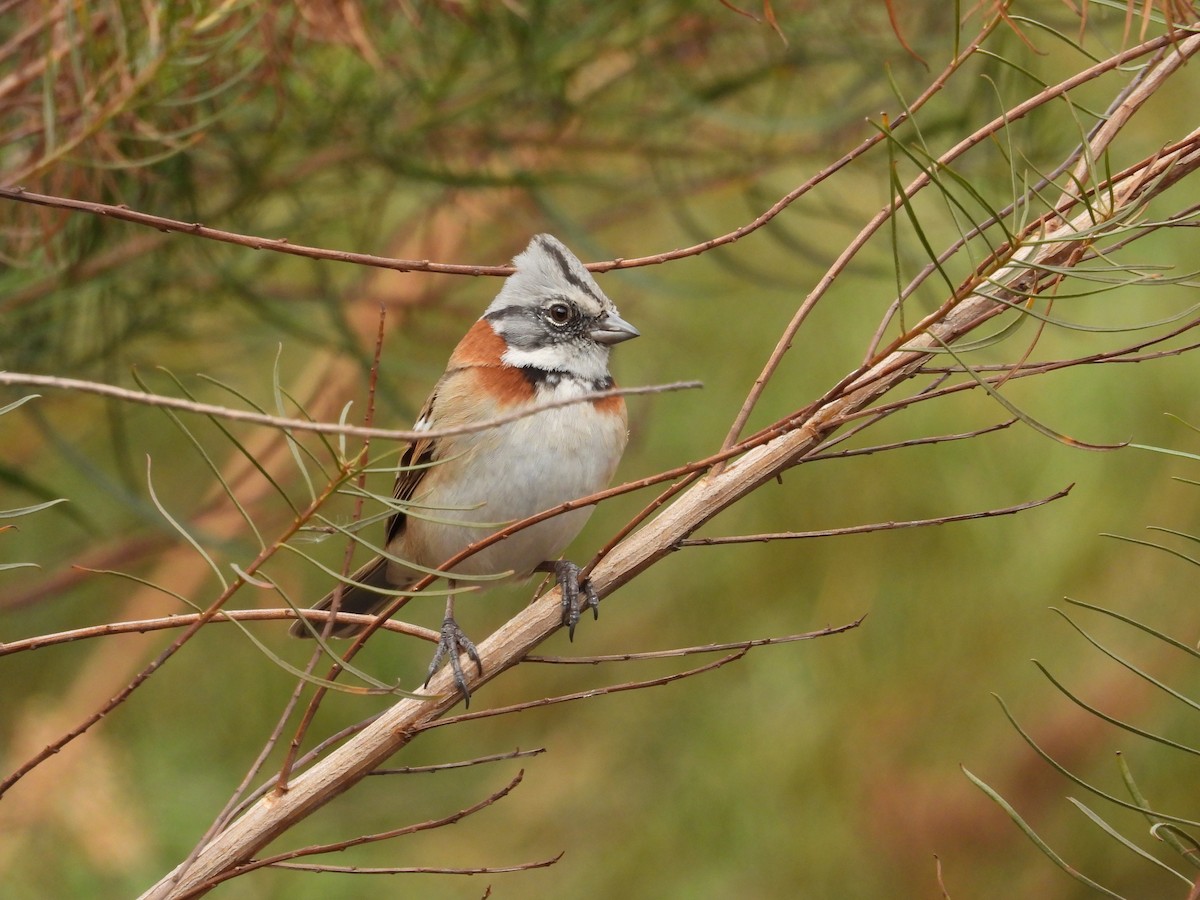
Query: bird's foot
(576,595)
(452,644)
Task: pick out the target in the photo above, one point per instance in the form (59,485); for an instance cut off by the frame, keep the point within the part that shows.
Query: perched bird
(545,337)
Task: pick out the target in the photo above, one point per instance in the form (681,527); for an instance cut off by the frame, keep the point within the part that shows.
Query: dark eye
(559,313)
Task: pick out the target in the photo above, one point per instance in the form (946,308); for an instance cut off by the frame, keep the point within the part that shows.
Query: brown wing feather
(414,464)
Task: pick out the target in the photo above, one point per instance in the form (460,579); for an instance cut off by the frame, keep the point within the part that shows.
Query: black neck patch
(552,378)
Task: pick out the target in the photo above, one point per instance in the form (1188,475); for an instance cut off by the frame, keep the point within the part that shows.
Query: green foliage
(1167,833)
(19,512)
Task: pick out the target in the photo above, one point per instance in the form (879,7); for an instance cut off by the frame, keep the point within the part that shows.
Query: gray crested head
(553,315)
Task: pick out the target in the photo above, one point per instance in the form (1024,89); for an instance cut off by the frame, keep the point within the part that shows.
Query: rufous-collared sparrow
(546,337)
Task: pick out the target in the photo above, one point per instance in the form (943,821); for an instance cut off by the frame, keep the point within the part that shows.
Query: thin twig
(142,626)
(874,526)
(693,651)
(912,442)
(22,379)
(846,434)
(1128,354)
(589,694)
(462,764)
(254,242)
(419,870)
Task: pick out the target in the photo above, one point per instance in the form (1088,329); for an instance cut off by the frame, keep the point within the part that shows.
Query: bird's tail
(360,597)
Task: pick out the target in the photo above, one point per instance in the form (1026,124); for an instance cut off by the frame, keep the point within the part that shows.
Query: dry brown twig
(874,526)
(80,386)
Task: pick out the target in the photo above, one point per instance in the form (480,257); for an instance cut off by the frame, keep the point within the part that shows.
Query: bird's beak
(612,329)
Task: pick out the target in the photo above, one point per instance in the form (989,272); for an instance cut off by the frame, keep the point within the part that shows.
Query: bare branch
(241,415)
(462,764)
(875,526)
(142,626)
(420,870)
(912,442)
(278,245)
(692,651)
(594,692)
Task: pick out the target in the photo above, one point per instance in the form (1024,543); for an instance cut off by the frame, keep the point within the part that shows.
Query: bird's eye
(559,313)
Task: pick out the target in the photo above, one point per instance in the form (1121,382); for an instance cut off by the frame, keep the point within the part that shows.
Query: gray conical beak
(612,329)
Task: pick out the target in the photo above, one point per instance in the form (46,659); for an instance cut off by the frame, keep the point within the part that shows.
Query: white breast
(508,473)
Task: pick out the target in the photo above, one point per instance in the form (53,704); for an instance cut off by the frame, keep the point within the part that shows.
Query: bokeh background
(454,131)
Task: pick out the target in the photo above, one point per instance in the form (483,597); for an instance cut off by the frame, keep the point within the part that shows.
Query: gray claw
(451,645)
(567,574)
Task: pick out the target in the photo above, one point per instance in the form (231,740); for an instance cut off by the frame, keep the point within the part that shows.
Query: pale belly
(509,473)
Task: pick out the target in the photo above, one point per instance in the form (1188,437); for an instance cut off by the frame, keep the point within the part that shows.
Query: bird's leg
(452,643)
(576,594)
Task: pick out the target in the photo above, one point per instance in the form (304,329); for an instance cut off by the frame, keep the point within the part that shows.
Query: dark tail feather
(356,598)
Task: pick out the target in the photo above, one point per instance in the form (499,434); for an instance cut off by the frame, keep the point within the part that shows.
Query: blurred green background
(454,131)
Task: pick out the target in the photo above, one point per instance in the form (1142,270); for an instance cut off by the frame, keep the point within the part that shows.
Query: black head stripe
(568,271)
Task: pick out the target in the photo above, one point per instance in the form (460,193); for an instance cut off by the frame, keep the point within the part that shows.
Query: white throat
(584,363)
